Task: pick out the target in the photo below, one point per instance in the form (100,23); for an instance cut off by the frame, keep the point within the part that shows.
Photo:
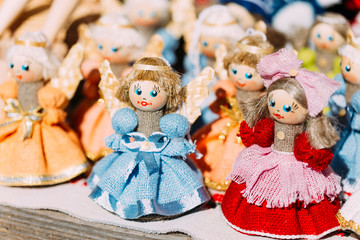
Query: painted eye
(140,13)
(114,49)
(318,35)
(204,43)
(287,108)
(234,71)
(216,46)
(153,14)
(347,68)
(272,103)
(100,46)
(25,67)
(138,91)
(331,38)
(11,65)
(153,93)
(248,75)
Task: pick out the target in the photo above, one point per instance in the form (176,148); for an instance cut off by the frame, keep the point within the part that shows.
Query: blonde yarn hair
(41,55)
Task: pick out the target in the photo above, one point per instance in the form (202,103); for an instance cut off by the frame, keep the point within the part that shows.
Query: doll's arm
(54,101)
(247,134)
(262,134)
(318,159)
(355,106)
(8,90)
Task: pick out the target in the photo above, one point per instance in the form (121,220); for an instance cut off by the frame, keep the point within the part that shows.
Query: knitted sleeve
(318,159)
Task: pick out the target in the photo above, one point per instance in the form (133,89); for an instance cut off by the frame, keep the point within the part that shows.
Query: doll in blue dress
(148,172)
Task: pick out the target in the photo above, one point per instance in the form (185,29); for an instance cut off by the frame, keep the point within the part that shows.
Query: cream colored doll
(214,26)
(112,38)
(37,147)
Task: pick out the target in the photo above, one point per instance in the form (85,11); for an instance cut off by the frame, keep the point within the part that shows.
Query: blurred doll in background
(113,38)
(218,141)
(214,26)
(37,147)
(327,34)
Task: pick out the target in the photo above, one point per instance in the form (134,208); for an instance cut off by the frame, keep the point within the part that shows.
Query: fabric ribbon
(16,113)
(284,63)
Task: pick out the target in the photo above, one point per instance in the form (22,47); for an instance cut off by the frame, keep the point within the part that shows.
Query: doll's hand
(318,159)
(264,132)
(247,134)
(124,121)
(54,116)
(174,125)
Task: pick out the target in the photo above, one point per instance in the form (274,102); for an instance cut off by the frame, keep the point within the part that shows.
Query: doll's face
(245,77)
(145,15)
(115,53)
(350,70)
(147,96)
(209,44)
(284,108)
(325,37)
(25,70)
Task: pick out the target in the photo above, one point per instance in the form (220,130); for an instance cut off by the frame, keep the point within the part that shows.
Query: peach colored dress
(219,145)
(52,154)
(91,120)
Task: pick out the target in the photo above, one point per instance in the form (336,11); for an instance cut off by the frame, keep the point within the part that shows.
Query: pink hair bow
(284,63)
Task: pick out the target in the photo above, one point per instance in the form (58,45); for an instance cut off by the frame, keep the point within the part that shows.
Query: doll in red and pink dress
(218,141)
(282,185)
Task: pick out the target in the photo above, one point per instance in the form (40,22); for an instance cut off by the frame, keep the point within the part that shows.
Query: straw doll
(148,173)
(282,186)
(327,34)
(37,147)
(112,38)
(214,26)
(218,141)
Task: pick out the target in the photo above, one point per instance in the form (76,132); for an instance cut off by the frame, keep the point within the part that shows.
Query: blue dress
(346,160)
(147,175)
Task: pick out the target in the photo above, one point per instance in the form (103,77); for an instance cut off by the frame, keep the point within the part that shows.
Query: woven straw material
(293,222)
(285,135)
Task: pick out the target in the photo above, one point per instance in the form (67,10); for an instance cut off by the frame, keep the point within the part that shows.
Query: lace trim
(348,225)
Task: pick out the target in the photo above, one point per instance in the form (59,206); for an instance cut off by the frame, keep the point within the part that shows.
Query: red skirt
(293,222)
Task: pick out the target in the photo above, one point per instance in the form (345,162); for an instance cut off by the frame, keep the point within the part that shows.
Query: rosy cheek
(156,102)
(136,99)
(350,77)
(27,76)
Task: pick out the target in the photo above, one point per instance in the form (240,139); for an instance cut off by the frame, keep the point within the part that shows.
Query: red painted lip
(107,58)
(278,116)
(323,46)
(144,104)
(19,76)
(241,85)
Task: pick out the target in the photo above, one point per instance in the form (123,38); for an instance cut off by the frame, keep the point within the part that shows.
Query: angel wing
(88,43)
(69,74)
(109,86)
(220,54)
(155,47)
(196,92)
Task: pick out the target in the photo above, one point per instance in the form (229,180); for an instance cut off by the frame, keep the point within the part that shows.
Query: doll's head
(30,60)
(147,13)
(116,39)
(152,85)
(329,31)
(241,62)
(350,60)
(294,96)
